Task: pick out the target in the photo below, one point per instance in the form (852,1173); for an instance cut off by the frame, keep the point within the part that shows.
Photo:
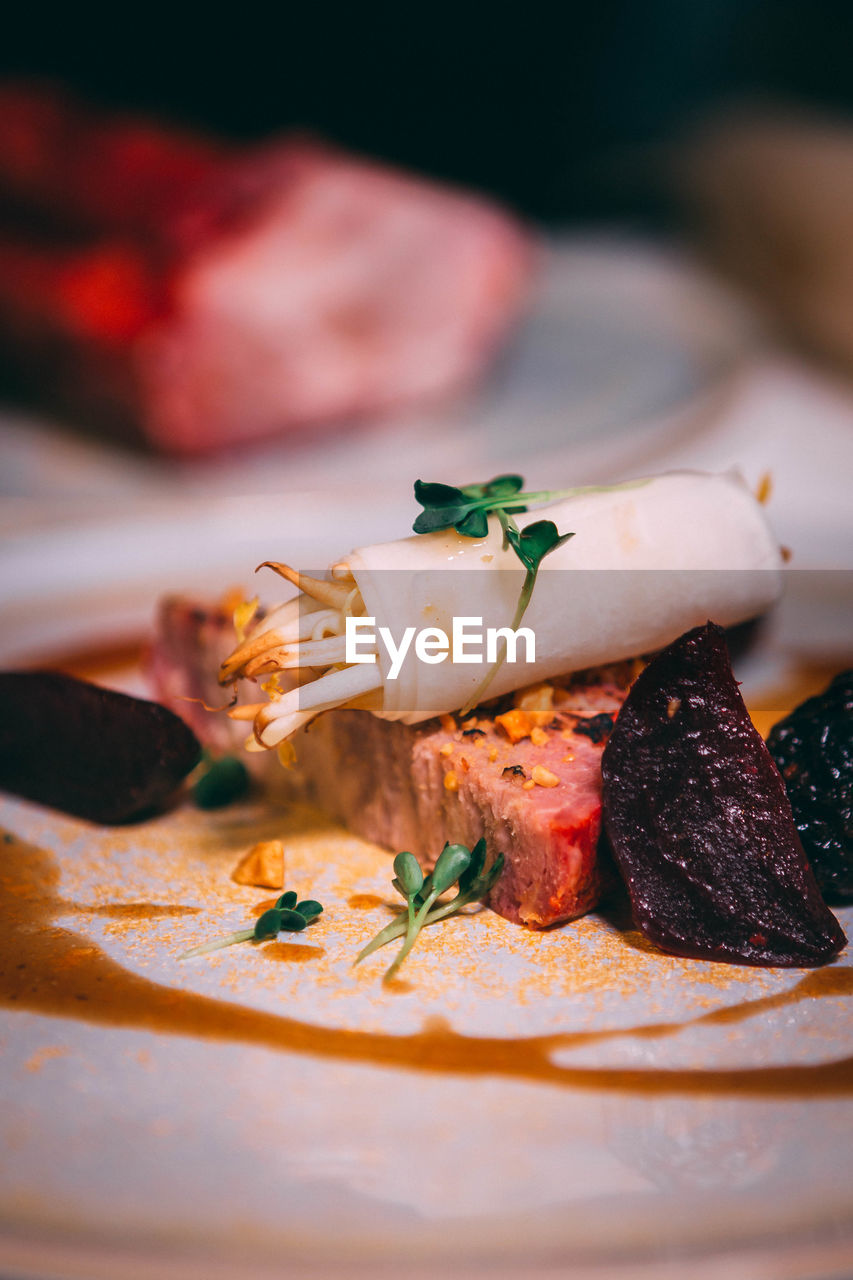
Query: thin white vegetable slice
(647,562)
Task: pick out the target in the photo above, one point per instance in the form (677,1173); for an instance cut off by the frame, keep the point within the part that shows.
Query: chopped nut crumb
(493,755)
(544,777)
(537,702)
(568,759)
(528,785)
(451,782)
(515,724)
(538,736)
(262,866)
(446,750)
(672,706)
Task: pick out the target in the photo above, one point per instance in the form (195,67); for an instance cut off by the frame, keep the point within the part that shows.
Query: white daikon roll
(647,562)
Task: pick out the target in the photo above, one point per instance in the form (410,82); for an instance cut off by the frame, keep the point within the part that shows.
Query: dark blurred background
(543,105)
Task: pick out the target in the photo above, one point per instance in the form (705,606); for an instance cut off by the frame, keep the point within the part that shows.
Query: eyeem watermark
(468,641)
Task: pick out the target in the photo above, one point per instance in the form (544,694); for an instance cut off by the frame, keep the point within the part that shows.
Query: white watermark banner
(469,641)
(439,639)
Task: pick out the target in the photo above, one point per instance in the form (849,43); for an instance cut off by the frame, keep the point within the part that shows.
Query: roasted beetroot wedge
(89,751)
(699,822)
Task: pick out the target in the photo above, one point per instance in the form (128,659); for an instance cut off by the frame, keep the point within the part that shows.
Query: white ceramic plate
(565,1103)
(568,1102)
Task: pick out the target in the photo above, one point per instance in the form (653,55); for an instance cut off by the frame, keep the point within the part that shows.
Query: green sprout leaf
(476,862)
(292,922)
(453,861)
(474,525)
(448,507)
(287,916)
(467,509)
(533,543)
(456,864)
(309,909)
(268,924)
(409,877)
(438,495)
(225,781)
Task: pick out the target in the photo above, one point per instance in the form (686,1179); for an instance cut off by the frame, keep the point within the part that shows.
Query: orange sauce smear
(54,971)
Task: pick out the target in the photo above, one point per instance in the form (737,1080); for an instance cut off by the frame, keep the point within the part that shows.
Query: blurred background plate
(630,361)
(621,339)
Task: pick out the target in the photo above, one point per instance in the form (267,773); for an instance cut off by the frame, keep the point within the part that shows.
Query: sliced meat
(537,800)
(190,642)
(225,295)
(526,774)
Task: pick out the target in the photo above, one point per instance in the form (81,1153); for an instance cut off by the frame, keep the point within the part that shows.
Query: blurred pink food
(205,296)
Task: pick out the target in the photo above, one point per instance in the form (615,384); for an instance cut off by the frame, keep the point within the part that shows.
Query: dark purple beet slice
(89,751)
(699,822)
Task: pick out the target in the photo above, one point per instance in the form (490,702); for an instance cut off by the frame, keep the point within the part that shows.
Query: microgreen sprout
(224,780)
(289,915)
(531,545)
(467,509)
(456,864)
